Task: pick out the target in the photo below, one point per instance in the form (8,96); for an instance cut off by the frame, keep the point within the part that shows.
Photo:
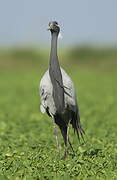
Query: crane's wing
(46,92)
(45,89)
(71,103)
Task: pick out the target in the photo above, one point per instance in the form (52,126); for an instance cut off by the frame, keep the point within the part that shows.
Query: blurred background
(89,31)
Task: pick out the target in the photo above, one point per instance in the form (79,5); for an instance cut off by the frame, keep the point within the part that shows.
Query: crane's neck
(53,53)
(56,76)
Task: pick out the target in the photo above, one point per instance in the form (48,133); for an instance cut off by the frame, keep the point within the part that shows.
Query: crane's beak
(50,27)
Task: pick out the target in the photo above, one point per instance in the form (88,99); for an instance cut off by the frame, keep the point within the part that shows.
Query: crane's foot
(65,153)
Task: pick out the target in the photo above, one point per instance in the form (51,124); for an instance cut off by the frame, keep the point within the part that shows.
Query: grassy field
(27,144)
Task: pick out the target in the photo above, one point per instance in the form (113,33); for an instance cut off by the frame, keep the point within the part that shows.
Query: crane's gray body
(57,92)
(46,93)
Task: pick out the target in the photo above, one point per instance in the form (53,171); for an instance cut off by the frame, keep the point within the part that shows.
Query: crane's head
(54,27)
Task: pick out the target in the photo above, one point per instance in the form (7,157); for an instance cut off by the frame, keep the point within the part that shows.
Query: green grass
(27,144)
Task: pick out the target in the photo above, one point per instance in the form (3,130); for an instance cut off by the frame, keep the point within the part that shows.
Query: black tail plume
(77,125)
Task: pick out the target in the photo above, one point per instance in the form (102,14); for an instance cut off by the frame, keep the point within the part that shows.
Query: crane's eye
(55,23)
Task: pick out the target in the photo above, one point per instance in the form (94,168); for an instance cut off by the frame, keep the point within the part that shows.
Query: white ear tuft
(60,36)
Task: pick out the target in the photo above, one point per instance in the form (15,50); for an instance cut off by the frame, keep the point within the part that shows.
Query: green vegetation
(27,144)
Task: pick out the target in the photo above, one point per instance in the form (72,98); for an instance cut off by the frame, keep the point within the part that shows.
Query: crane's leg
(70,145)
(65,138)
(69,140)
(56,136)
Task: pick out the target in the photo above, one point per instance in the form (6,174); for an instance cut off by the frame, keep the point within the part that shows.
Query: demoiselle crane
(57,92)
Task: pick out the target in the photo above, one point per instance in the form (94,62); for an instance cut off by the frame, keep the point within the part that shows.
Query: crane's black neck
(56,76)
